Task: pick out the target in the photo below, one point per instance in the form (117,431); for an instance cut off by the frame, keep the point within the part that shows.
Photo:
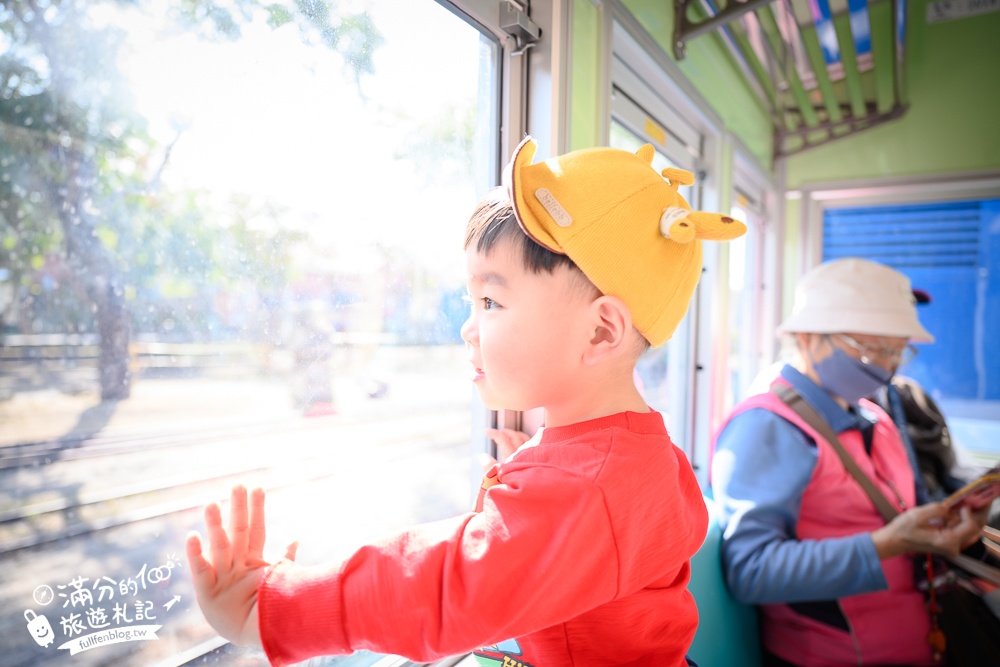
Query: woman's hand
(226,584)
(932,527)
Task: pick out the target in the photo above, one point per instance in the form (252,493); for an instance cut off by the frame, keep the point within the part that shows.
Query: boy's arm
(540,552)
(226,584)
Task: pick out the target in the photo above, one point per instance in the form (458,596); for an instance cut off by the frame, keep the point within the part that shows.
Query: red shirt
(578,550)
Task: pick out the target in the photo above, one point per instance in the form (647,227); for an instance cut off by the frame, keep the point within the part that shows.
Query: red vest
(888,626)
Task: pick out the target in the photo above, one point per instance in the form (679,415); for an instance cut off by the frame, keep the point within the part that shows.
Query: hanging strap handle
(792,399)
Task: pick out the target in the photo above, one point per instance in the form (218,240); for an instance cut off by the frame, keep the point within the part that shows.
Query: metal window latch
(515,22)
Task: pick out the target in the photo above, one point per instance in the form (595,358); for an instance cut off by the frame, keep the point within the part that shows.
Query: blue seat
(727,633)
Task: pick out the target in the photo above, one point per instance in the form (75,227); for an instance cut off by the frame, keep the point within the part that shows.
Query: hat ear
(676,225)
(646,153)
(523,156)
(678,177)
(716,227)
(683,226)
(513,178)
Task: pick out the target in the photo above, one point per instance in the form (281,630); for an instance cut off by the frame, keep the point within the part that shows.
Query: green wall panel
(715,76)
(951,75)
(585,79)
(950,78)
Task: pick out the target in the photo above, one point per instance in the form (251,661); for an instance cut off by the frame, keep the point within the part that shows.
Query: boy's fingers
(201,570)
(507,440)
(508,436)
(239,528)
(486,461)
(257,532)
(218,543)
(291,550)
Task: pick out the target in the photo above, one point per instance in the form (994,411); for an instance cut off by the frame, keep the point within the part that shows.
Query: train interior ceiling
(230,251)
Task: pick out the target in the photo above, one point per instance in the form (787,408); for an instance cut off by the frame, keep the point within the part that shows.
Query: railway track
(67,448)
(43,452)
(45,514)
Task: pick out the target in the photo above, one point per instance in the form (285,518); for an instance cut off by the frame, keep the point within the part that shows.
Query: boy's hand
(507,440)
(226,586)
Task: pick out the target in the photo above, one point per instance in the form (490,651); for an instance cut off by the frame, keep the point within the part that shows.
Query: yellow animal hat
(622,223)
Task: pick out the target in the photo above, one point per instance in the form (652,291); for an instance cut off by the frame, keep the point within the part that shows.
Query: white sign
(946,10)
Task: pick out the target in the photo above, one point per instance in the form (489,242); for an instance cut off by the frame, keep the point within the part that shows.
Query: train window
(230,240)
(946,249)
(746,301)
(752,305)
(624,138)
(632,123)
(656,374)
(740,293)
(650,103)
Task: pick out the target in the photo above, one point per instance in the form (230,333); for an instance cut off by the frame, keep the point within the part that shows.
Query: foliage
(442,149)
(84,218)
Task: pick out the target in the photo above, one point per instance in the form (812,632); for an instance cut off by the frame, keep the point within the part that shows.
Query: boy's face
(526,330)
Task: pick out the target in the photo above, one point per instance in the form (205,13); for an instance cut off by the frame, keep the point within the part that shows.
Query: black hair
(493,222)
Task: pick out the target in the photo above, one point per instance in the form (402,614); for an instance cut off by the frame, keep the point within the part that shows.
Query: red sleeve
(541,552)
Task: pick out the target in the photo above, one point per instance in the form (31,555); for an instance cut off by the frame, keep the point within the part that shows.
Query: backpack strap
(793,400)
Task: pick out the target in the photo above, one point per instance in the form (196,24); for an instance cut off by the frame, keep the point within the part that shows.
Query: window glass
(625,139)
(750,328)
(659,372)
(945,249)
(741,325)
(660,110)
(230,240)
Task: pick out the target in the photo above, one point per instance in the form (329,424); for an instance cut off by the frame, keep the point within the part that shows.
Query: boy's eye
(486,302)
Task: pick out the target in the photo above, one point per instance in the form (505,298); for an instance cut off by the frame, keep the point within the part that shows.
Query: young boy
(577,551)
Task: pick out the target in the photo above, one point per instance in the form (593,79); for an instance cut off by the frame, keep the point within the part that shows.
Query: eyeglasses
(881,354)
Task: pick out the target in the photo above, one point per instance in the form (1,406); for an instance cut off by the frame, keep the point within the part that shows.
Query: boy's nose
(470,334)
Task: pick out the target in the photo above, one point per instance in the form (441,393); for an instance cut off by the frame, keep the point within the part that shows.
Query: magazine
(979,492)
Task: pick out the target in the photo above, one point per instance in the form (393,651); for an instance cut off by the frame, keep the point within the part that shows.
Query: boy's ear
(611,322)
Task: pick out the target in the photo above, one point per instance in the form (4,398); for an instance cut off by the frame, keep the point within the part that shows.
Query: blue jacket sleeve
(760,470)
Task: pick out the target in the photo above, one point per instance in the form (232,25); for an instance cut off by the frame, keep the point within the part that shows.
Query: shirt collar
(831,412)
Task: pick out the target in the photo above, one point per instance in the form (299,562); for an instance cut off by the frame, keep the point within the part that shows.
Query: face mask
(848,378)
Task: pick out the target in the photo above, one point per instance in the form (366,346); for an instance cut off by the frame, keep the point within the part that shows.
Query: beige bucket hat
(854,295)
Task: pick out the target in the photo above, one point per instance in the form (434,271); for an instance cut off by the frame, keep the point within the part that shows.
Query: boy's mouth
(477,373)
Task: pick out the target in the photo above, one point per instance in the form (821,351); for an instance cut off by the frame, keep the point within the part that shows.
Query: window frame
(511,93)
(764,242)
(513,86)
(675,104)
